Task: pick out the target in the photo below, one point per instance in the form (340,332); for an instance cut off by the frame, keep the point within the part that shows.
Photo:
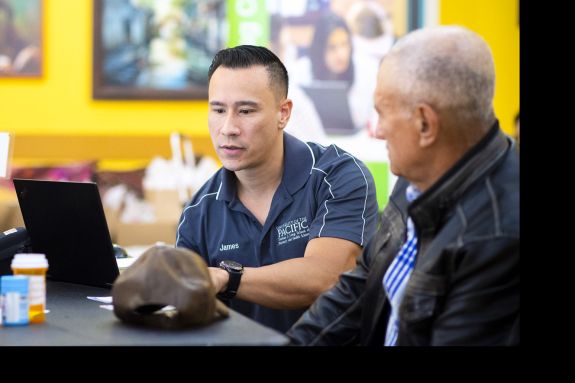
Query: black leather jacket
(464,289)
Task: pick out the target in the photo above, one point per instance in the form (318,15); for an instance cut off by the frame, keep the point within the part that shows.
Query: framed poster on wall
(20,38)
(155,49)
(332,50)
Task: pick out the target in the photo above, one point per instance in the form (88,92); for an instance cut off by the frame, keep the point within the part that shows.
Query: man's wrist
(234,271)
(223,279)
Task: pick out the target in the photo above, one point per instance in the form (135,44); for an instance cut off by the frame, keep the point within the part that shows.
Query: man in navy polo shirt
(282,219)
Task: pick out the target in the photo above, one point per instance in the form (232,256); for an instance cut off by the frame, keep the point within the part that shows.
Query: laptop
(330,99)
(66,221)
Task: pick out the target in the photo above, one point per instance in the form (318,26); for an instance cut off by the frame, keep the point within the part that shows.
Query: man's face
(244,117)
(395,122)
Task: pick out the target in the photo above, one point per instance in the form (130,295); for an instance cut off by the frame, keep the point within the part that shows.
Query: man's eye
(218,111)
(245,111)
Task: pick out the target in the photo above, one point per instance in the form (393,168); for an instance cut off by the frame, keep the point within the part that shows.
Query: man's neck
(257,186)
(258,181)
(447,155)
(437,167)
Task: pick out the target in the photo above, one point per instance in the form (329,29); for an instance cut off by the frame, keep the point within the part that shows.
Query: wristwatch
(235,270)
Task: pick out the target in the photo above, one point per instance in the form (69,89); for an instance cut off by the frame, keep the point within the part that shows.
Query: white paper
(124,263)
(101,299)
(133,253)
(167,308)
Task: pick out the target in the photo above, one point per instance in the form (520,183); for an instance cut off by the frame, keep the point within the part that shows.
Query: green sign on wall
(380,173)
(249,22)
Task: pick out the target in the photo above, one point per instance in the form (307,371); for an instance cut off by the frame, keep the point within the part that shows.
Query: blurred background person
(326,76)
(335,45)
(330,53)
(372,37)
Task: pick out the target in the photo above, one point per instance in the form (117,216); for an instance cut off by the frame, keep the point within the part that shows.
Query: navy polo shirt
(324,192)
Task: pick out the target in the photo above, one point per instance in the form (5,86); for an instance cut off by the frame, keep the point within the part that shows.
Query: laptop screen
(66,221)
(331,103)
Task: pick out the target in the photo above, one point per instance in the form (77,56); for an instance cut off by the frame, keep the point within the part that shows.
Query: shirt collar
(227,189)
(412,192)
(298,163)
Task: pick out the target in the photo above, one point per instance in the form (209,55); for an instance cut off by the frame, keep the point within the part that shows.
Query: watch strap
(233,284)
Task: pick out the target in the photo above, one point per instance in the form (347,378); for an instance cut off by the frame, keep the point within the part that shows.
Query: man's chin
(232,166)
(394,171)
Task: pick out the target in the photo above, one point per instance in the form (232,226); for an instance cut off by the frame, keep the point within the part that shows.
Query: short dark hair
(245,56)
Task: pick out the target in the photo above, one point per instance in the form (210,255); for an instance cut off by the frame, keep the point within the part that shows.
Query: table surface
(74,320)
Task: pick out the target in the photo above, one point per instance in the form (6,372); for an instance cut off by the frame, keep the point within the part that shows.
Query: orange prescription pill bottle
(35,267)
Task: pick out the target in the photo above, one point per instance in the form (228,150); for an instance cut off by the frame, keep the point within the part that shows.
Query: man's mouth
(231,149)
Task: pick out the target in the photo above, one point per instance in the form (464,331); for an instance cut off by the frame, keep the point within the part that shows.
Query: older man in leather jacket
(434,101)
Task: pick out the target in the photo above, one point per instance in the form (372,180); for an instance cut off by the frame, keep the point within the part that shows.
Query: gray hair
(449,67)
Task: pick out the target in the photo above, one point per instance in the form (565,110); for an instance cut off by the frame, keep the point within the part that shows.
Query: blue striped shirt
(396,277)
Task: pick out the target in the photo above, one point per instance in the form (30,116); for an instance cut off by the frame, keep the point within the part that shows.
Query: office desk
(74,320)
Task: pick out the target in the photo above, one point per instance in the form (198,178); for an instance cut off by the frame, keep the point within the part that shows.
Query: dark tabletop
(74,320)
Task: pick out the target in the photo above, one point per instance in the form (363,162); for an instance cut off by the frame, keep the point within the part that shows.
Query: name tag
(229,246)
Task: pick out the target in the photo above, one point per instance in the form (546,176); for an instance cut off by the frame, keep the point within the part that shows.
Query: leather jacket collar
(427,210)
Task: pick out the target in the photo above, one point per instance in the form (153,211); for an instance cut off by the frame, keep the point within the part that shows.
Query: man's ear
(428,121)
(284,113)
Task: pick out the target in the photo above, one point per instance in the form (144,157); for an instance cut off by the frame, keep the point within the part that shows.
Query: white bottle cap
(29,261)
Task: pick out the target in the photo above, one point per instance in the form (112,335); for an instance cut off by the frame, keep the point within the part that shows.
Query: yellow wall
(498,22)
(60,103)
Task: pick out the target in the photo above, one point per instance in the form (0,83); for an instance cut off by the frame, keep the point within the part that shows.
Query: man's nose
(379,131)
(229,127)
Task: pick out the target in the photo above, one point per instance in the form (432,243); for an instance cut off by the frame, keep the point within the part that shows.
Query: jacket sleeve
(335,317)
(482,302)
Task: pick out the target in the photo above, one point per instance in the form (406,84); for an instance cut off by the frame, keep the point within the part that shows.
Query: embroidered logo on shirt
(292,230)
(229,246)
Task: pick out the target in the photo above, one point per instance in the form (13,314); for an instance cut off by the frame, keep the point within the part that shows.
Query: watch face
(231,265)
